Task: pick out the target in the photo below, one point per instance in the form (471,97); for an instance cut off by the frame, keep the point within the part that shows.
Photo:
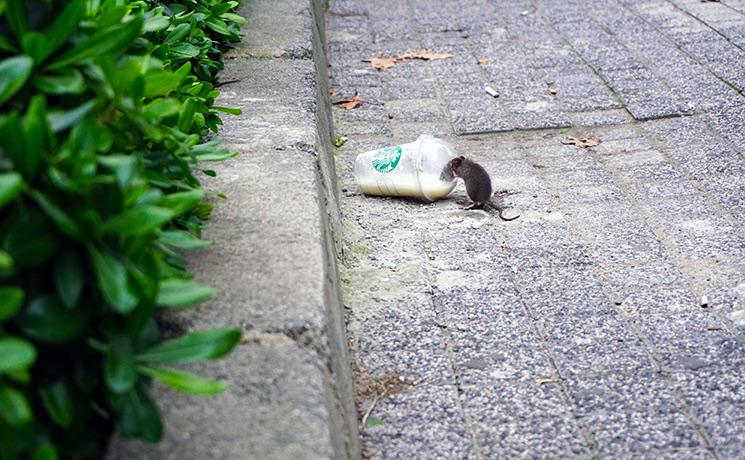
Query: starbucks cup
(411,170)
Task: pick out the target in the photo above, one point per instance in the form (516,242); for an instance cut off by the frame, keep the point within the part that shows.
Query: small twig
(223,83)
(369,409)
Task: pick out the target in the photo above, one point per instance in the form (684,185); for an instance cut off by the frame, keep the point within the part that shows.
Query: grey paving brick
(524,420)
(424,421)
(631,412)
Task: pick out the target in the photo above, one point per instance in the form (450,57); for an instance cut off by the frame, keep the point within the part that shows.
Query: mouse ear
(461,158)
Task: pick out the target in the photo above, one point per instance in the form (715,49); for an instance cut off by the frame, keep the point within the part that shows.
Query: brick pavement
(577,330)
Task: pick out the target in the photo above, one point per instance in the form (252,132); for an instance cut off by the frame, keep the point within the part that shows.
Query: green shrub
(104,109)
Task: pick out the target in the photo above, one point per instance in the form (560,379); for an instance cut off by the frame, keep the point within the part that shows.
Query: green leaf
(14,408)
(15,354)
(177,34)
(35,45)
(182,293)
(31,239)
(183,240)
(65,24)
(181,202)
(230,110)
(11,184)
(184,51)
(139,417)
(45,452)
(372,421)
(35,131)
(139,220)
(110,40)
(119,365)
(71,82)
(15,12)
(123,166)
(184,381)
(68,277)
(161,82)
(113,281)
(218,26)
(65,224)
(46,320)
(11,299)
(58,402)
(196,346)
(161,108)
(187,115)
(13,74)
(6,262)
(63,120)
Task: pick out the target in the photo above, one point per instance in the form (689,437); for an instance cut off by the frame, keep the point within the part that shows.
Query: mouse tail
(500,210)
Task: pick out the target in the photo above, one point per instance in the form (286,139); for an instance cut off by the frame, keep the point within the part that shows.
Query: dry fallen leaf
(383,63)
(485,60)
(583,142)
(350,103)
(552,90)
(424,54)
(540,381)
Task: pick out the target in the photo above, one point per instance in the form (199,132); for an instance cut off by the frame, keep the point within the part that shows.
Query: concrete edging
(274,262)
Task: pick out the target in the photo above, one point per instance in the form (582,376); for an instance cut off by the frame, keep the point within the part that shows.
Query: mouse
(478,183)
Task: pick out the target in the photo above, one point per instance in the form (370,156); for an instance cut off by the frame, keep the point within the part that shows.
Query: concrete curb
(274,263)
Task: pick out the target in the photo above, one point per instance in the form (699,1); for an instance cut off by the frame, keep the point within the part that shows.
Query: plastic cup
(411,170)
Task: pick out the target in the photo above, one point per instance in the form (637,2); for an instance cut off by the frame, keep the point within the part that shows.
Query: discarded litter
(492,92)
(583,142)
(411,170)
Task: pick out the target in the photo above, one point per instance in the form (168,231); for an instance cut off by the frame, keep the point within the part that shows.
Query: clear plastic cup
(411,170)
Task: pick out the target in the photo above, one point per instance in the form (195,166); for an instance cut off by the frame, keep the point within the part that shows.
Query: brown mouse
(477,180)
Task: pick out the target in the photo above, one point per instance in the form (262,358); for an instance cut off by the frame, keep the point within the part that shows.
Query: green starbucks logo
(385,160)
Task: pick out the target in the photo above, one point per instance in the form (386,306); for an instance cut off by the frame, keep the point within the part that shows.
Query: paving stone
(523,420)
(424,421)
(631,412)
(598,117)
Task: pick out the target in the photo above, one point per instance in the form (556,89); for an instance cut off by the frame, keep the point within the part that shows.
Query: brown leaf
(424,54)
(485,60)
(350,103)
(383,63)
(552,90)
(583,142)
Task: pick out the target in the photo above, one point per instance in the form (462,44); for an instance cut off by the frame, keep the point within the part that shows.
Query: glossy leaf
(46,320)
(15,12)
(68,83)
(11,300)
(140,417)
(119,365)
(181,202)
(11,185)
(13,74)
(65,24)
(113,280)
(196,346)
(139,220)
(183,240)
(182,293)
(45,452)
(15,354)
(58,403)
(14,407)
(184,381)
(68,277)
(109,40)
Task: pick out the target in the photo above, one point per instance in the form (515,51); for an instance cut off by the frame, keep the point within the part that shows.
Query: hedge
(105,111)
